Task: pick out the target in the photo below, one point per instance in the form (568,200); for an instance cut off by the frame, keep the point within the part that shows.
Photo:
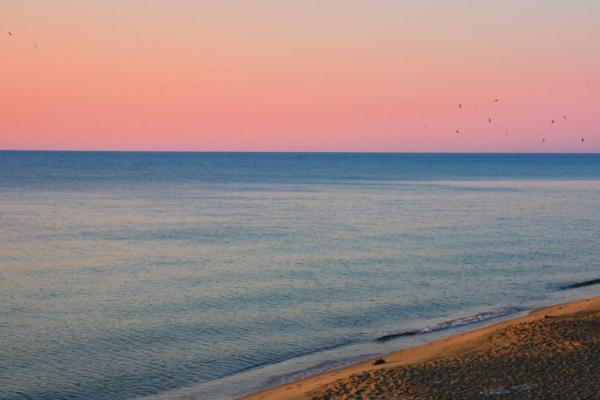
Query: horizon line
(286,152)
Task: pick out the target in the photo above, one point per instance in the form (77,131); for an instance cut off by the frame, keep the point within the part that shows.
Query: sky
(300,75)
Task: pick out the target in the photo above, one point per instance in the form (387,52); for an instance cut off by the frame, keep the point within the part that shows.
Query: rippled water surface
(127,275)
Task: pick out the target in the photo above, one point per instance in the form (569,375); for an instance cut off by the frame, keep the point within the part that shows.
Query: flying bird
(564,117)
(457,131)
(544,140)
(489,120)
(9,33)
(552,121)
(582,140)
(460,106)
(496,100)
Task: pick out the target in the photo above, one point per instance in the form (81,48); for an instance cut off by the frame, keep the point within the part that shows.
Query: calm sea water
(207,275)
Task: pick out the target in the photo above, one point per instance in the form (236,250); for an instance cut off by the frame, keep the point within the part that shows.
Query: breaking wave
(454,323)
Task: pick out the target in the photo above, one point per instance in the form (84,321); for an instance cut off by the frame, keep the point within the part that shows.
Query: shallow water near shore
(130,275)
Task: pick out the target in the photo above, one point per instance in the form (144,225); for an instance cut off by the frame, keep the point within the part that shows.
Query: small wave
(453,323)
(581,284)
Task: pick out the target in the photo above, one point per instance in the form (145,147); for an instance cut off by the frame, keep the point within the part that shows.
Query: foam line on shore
(582,284)
(453,323)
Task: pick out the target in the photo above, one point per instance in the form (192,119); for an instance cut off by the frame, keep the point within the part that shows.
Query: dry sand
(552,353)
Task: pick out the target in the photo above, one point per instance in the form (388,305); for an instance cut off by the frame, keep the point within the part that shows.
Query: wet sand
(553,352)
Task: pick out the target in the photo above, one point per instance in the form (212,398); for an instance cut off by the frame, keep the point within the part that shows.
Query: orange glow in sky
(296,75)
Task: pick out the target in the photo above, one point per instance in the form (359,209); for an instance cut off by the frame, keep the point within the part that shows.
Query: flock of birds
(552,122)
(460,106)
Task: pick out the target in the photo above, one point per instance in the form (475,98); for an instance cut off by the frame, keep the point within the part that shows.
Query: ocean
(210,275)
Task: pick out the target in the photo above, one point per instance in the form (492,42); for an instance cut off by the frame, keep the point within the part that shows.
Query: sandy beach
(553,352)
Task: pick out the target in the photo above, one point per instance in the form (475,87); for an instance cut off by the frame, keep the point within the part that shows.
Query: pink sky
(300,75)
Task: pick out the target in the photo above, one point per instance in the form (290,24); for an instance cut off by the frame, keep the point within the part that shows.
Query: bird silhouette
(564,117)
(496,100)
(544,140)
(460,106)
(9,33)
(457,131)
(489,120)
(552,121)
(582,140)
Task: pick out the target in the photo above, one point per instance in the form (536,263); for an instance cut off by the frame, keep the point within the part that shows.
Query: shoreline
(341,382)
